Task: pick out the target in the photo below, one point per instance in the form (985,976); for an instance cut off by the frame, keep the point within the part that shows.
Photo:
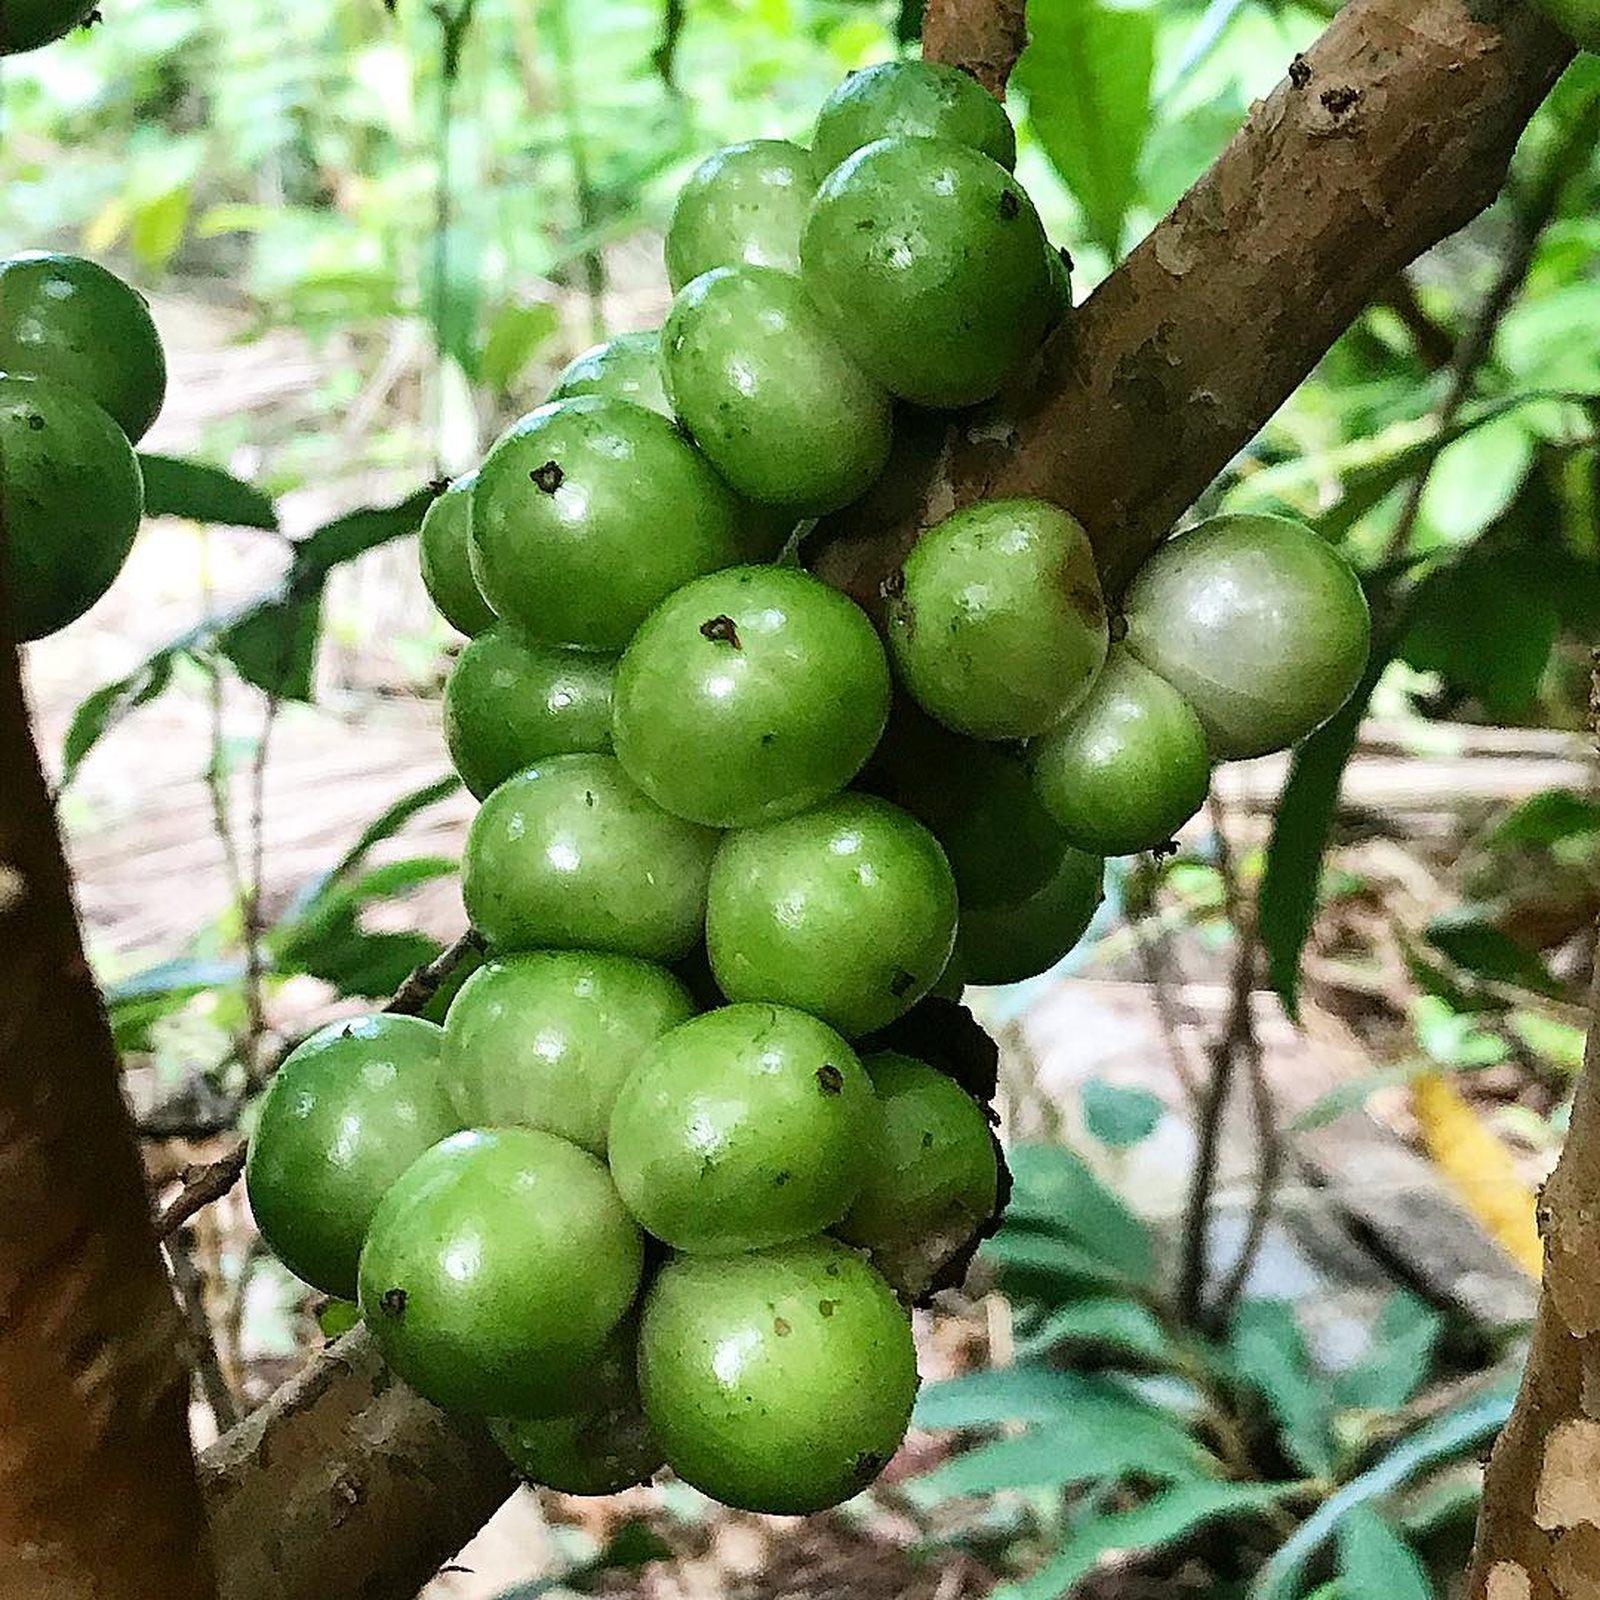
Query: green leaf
(1023,1393)
(183,977)
(1169,1517)
(1043,1265)
(1546,819)
(1398,1360)
(108,705)
(156,226)
(275,647)
(1355,1092)
(1375,1563)
(1471,940)
(1087,73)
(201,493)
(1118,1117)
(1054,1190)
(1104,1322)
(1269,1355)
(353,535)
(517,332)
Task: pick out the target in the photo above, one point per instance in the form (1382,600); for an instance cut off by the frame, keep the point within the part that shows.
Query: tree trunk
(98,1499)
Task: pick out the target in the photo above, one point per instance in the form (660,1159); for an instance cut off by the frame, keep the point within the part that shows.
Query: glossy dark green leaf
(203,493)
(108,705)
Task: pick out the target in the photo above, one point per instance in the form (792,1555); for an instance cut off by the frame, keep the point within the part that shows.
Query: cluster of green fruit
(82,377)
(28,24)
(661,1188)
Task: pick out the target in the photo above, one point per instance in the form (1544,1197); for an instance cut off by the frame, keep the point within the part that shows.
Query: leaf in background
(108,705)
(1087,73)
(1269,1356)
(1120,1118)
(201,493)
(1470,938)
(1103,1322)
(1171,1516)
(1004,1395)
(156,226)
(1043,1266)
(452,300)
(354,534)
(517,332)
(1398,1359)
(1355,1092)
(1545,819)
(275,647)
(1474,480)
(1054,1190)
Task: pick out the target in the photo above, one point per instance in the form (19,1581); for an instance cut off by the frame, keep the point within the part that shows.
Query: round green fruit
(69,319)
(925,99)
(602,1449)
(71,498)
(495,1269)
(997,624)
(510,703)
(743,206)
(1007,943)
(544,1040)
(1128,768)
(1258,622)
(783,413)
(627,367)
(780,1381)
(750,695)
(569,854)
(928,261)
(1579,18)
(847,911)
(932,1178)
(589,512)
(742,1128)
(27,24)
(348,1111)
(977,801)
(445,553)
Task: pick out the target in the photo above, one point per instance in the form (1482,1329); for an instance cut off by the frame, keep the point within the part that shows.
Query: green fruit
(445,552)
(977,801)
(928,261)
(66,318)
(925,99)
(545,1040)
(1580,19)
(1258,622)
(742,206)
(1128,768)
(998,627)
(783,413)
(1060,264)
(349,1110)
(847,911)
(780,1381)
(742,1128)
(495,1269)
(933,1177)
(588,513)
(570,854)
(1005,944)
(509,703)
(71,497)
(606,1447)
(27,24)
(750,695)
(627,367)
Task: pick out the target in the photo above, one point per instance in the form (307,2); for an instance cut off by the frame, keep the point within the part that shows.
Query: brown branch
(188,1284)
(202,1186)
(1396,130)
(983,37)
(414,994)
(98,1499)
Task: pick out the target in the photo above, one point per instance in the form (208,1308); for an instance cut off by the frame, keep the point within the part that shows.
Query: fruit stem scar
(721,630)
(548,478)
(392,1302)
(830,1079)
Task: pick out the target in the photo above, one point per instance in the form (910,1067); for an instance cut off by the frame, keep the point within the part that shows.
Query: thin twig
(202,1186)
(189,1288)
(254,928)
(414,994)
(1155,960)
(588,200)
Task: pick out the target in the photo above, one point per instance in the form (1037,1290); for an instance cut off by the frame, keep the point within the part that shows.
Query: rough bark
(98,1499)
(346,1484)
(983,37)
(1389,134)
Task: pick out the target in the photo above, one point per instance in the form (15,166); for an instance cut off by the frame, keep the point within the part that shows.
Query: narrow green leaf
(1027,1392)
(1546,819)
(517,331)
(1375,1563)
(1269,1355)
(353,535)
(108,705)
(202,493)
(1103,1322)
(1054,1190)
(275,647)
(1046,1265)
(1399,1359)
(1469,937)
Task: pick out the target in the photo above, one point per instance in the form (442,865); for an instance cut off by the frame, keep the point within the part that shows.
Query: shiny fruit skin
(1128,768)
(742,206)
(1258,622)
(847,911)
(928,261)
(998,627)
(27,24)
(495,1269)
(69,319)
(72,497)
(925,99)
(545,1039)
(1008,943)
(626,367)
(509,703)
(603,1448)
(589,512)
(770,395)
(348,1111)
(445,555)
(570,854)
(1580,19)
(933,1177)
(750,695)
(742,1128)
(780,1381)
(977,801)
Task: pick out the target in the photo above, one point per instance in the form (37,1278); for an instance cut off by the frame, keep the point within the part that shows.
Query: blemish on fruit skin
(392,1302)
(830,1079)
(827,1307)
(869,1464)
(1010,205)
(721,630)
(548,478)
(781,1327)
(902,983)
(781,1178)
(36,422)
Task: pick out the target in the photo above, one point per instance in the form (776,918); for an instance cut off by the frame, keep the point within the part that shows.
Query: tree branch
(983,37)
